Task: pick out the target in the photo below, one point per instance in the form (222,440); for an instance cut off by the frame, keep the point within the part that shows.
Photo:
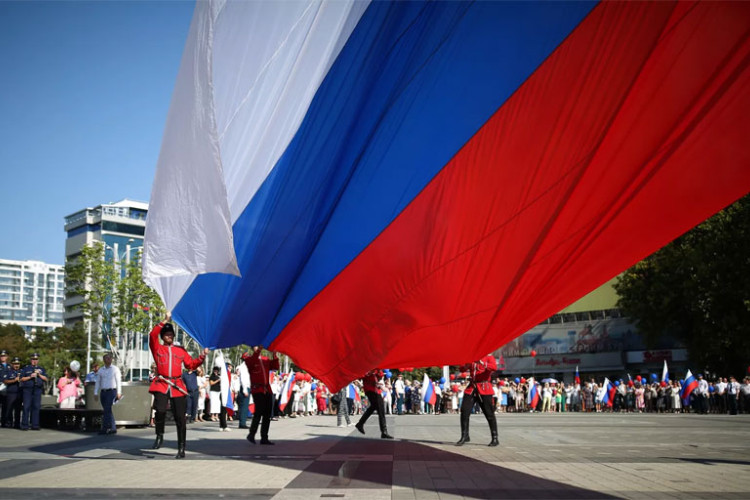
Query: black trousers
(13,409)
(3,406)
(262,415)
(376,404)
(178,412)
(485,403)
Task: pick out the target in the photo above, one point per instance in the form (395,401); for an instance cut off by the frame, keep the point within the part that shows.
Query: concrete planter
(133,409)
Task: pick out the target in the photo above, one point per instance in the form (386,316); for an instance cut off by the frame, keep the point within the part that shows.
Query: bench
(79,419)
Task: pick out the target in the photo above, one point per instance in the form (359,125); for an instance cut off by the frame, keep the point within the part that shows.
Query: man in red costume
(260,386)
(167,385)
(479,390)
(370,383)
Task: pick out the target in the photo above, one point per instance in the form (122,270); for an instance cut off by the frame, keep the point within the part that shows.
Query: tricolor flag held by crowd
(608,397)
(687,388)
(533,398)
(286,392)
(665,373)
(353,393)
(226,395)
(578,377)
(428,391)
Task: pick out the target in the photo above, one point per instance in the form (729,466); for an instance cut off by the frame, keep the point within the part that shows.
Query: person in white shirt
(733,392)
(721,395)
(108,387)
(702,393)
(400,389)
(243,394)
(745,395)
(276,386)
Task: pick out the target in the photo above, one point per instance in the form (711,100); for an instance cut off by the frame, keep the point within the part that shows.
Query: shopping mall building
(592,335)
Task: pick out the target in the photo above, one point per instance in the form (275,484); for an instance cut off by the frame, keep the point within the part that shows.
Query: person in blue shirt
(12,379)
(191,384)
(33,378)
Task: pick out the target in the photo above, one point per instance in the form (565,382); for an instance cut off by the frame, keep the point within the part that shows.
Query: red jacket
(481,373)
(371,379)
(258,366)
(169,362)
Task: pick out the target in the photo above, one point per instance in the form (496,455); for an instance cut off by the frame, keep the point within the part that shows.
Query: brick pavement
(540,456)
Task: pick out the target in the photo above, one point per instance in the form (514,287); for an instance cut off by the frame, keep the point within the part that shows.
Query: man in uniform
(167,386)
(370,383)
(4,367)
(479,391)
(260,387)
(12,380)
(33,378)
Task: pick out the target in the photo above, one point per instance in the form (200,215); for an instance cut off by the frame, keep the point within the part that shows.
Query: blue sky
(84,92)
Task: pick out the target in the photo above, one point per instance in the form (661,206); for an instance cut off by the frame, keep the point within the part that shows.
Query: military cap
(16,360)
(35,356)
(3,353)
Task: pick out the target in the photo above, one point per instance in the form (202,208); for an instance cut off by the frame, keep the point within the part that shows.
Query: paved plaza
(540,456)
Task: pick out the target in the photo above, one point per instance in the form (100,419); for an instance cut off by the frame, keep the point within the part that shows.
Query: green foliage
(92,278)
(114,298)
(13,340)
(137,307)
(56,349)
(697,290)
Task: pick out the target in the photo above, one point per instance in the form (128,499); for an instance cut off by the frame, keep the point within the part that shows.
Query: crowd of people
(256,392)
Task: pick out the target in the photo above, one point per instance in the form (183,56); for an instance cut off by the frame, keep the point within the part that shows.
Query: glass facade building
(31,294)
(120,226)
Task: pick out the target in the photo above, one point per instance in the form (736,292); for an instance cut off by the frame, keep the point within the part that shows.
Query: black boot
(464,431)
(494,441)
(464,439)
(266,441)
(385,435)
(180,450)
(493,431)
(158,442)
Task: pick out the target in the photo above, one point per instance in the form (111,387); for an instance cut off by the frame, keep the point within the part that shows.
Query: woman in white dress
(202,387)
(676,401)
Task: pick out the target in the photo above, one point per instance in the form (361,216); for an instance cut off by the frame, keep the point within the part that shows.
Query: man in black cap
(33,378)
(4,367)
(12,380)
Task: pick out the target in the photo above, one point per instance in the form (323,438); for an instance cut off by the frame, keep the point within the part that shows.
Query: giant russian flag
(687,388)
(354,183)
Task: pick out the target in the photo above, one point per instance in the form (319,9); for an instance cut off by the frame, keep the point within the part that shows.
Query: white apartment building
(31,294)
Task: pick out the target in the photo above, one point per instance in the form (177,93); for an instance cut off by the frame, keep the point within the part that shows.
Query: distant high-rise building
(31,294)
(120,226)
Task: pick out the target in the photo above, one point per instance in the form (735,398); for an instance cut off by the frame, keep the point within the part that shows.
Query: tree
(13,339)
(696,289)
(116,303)
(92,278)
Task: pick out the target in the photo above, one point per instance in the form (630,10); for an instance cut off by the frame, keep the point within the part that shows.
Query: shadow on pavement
(350,462)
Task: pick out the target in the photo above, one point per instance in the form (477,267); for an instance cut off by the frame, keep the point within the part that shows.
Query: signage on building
(564,363)
(657,356)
